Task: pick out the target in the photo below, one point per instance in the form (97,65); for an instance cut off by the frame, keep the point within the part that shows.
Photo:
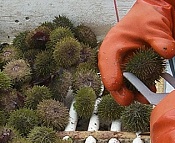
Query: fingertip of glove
(124,97)
(164,47)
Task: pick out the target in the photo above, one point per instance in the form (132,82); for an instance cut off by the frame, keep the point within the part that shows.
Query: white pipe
(116,126)
(94,120)
(73,118)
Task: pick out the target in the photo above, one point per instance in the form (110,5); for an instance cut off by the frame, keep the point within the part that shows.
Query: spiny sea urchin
(19,41)
(88,55)
(146,64)
(49,24)
(53,114)
(9,53)
(3,117)
(63,21)
(20,140)
(8,134)
(42,59)
(35,95)
(18,70)
(84,102)
(11,100)
(5,81)
(38,37)
(86,35)
(67,52)
(30,56)
(84,66)
(57,34)
(136,117)
(61,84)
(23,120)
(42,135)
(86,77)
(108,109)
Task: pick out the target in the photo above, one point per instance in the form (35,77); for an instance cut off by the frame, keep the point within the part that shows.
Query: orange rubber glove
(150,23)
(162,121)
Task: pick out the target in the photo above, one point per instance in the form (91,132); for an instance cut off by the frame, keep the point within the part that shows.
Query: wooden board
(101,135)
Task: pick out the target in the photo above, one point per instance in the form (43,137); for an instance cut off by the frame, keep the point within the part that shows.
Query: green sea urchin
(59,33)
(67,52)
(53,114)
(38,37)
(56,35)
(8,134)
(61,84)
(88,55)
(84,102)
(10,53)
(42,135)
(30,56)
(35,95)
(3,117)
(146,64)
(23,120)
(108,109)
(20,140)
(136,117)
(11,100)
(18,70)
(19,41)
(49,24)
(85,77)
(86,35)
(84,66)
(63,21)
(5,81)
(42,59)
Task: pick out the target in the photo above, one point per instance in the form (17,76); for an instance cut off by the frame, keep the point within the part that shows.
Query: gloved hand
(162,121)
(150,23)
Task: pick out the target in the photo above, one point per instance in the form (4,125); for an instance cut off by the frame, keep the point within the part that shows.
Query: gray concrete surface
(20,15)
